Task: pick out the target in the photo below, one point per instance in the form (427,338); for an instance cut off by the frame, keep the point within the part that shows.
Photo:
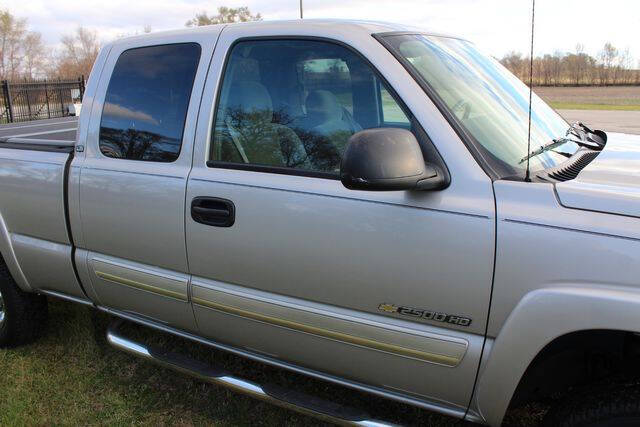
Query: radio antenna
(527,178)
(301,16)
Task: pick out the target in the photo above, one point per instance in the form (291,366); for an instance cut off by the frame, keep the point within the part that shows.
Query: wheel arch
(8,256)
(545,318)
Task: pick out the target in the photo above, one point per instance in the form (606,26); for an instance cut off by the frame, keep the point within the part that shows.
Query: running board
(290,399)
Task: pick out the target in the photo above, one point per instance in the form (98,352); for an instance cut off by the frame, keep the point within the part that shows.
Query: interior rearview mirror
(388,159)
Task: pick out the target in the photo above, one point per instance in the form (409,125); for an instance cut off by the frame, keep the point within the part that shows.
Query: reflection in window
(295,103)
(330,75)
(146,102)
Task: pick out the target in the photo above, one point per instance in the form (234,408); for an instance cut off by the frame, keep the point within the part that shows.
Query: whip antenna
(533,19)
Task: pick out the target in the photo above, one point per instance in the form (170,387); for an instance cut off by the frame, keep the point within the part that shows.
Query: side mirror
(388,159)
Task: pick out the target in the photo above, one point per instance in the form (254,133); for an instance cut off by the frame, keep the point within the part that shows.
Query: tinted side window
(146,103)
(294,104)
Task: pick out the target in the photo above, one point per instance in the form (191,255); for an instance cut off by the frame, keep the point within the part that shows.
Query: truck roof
(370,27)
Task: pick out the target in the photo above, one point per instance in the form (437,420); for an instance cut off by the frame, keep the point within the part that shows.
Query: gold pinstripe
(140,285)
(338,336)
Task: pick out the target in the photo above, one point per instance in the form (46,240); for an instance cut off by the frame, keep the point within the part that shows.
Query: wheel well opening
(580,359)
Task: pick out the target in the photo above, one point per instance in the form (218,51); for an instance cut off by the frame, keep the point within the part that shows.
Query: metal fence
(38,99)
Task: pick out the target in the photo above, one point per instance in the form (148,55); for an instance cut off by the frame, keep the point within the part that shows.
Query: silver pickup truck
(350,200)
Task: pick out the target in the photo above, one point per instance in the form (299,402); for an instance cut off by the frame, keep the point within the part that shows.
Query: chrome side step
(296,401)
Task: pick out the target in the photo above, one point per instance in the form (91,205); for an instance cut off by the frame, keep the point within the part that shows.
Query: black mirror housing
(388,159)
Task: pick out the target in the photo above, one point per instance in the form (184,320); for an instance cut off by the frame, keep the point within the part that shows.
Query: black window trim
(302,172)
(186,113)
(477,151)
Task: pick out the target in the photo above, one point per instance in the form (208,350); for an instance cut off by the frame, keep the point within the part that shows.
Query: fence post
(46,96)
(27,92)
(7,96)
(81,79)
(61,100)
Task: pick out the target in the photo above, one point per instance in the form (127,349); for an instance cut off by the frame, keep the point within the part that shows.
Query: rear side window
(146,103)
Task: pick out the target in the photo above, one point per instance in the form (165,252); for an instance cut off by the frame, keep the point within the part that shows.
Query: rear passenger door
(286,262)
(133,177)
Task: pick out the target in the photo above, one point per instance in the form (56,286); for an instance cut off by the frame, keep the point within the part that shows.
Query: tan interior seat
(248,118)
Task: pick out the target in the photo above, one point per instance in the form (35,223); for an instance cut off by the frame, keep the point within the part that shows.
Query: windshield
(489,102)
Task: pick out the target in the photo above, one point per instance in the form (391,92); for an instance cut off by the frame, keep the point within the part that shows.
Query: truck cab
(343,199)
(228,206)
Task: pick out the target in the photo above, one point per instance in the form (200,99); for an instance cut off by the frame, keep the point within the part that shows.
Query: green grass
(581,106)
(72,377)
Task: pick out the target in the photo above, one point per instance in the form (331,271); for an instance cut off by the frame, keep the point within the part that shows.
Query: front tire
(617,406)
(22,315)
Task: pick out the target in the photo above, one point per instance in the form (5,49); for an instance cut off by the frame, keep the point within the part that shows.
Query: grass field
(620,98)
(72,377)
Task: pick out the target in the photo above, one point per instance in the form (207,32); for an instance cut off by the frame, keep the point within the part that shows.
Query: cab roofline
(370,27)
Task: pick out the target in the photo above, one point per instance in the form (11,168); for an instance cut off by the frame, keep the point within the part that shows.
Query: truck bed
(42,135)
(34,160)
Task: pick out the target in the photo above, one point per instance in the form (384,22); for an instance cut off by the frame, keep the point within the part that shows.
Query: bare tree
(12,32)
(624,65)
(578,65)
(556,67)
(545,70)
(513,61)
(608,57)
(538,71)
(146,29)
(79,51)
(35,55)
(225,15)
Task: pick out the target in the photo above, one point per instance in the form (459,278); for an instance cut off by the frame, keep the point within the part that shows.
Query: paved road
(612,121)
(62,129)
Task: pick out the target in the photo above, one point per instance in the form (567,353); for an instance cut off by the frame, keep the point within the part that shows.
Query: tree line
(24,55)
(611,66)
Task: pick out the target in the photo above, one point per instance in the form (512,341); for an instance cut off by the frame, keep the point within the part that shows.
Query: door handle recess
(213,211)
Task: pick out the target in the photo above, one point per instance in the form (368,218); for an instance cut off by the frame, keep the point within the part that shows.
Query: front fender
(542,316)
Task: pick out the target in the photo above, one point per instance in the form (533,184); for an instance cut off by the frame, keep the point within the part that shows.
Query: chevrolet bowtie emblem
(389,308)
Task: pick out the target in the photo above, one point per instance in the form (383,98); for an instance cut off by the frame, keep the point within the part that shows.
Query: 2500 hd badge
(425,314)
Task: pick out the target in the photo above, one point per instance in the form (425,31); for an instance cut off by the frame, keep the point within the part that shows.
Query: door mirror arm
(436,179)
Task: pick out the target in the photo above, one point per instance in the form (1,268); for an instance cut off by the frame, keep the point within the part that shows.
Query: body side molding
(411,343)
(140,277)
(139,285)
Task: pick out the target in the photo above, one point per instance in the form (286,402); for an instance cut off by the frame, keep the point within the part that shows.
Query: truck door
(133,178)
(389,289)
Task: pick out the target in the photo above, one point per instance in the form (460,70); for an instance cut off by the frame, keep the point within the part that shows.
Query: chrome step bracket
(287,398)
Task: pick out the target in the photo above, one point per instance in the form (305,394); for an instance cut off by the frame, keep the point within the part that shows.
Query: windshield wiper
(550,146)
(589,138)
(577,129)
(587,142)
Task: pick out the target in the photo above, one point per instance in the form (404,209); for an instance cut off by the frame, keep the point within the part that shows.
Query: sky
(497,26)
